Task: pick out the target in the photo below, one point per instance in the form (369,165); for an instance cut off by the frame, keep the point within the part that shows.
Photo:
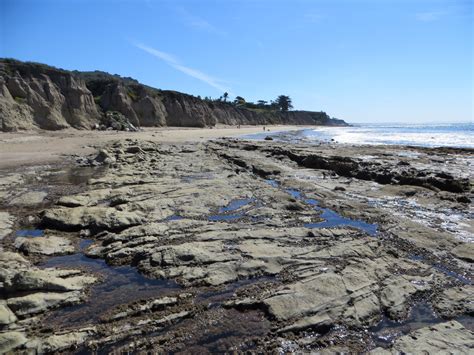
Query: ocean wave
(417,135)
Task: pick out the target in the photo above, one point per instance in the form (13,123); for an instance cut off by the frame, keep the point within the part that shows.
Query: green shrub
(20,100)
(132,95)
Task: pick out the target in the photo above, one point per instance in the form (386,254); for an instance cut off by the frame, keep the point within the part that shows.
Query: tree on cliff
(239,100)
(225,96)
(284,103)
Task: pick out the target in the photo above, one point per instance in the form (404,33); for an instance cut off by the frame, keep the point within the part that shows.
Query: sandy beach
(37,147)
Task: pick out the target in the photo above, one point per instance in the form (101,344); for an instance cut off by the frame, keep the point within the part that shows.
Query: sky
(378,61)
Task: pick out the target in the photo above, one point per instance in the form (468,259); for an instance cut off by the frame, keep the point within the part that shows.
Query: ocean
(437,135)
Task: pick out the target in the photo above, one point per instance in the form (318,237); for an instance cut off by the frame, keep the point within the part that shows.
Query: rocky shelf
(231,245)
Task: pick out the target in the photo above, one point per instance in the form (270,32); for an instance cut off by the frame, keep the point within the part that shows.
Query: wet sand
(41,147)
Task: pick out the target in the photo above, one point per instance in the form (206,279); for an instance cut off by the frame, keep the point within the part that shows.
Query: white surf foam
(414,135)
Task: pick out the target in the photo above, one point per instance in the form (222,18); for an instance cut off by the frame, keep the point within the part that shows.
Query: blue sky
(360,60)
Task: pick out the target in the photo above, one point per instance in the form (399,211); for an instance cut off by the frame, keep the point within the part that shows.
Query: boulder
(104,158)
(117,121)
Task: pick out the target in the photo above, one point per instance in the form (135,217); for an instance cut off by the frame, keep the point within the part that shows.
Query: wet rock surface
(47,245)
(445,337)
(233,246)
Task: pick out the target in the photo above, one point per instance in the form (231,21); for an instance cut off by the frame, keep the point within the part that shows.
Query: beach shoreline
(24,148)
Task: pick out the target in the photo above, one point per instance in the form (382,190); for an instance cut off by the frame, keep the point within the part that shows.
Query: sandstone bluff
(35,95)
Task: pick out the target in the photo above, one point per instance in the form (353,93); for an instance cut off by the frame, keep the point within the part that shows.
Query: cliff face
(43,97)
(38,96)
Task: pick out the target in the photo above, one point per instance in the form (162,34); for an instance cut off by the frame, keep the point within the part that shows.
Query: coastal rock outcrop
(45,287)
(236,238)
(383,173)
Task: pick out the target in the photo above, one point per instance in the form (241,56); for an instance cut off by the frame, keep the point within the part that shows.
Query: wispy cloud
(313,17)
(430,16)
(199,23)
(174,62)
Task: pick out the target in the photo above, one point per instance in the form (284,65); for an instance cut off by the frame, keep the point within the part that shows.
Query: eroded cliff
(35,95)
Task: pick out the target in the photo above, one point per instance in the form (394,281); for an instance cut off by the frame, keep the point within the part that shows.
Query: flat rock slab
(91,217)
(48,245)
(241,247)
(6,223)
(464,251)
(30,198)
(444,338)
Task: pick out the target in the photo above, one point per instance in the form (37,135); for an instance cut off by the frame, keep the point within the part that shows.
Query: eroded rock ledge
(268,255)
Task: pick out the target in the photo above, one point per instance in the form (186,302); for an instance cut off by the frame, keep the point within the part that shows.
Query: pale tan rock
(455,300)
(324,292)
(49,280)
(47,245)
(397,291)
(6,223)
(6,315)
(91,217)
(444,338)
(40,302)
(464,251)
(12,340)
(29,198)
(60,342)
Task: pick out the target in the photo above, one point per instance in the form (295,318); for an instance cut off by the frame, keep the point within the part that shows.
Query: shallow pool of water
(75,175)
(33,233)
(421,315)
(173,218)
(225,217)
(120,285)
(331,218)
(272,182)
(387,330)
(294,193)
(465,279)
(236,204)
